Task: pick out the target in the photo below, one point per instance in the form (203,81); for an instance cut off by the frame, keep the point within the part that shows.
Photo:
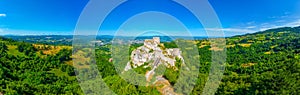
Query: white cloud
(1,30)
(238,30)
(280,21)
(276,24)
(250,27)
(293,24)
(285,15)
(250,23)
(2,15)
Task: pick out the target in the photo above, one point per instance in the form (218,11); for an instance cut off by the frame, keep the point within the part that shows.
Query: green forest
(266,62)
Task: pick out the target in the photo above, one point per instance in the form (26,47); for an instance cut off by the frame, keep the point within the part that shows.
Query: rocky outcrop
(155,54)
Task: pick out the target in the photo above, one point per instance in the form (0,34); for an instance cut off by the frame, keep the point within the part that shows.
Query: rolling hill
(266,62)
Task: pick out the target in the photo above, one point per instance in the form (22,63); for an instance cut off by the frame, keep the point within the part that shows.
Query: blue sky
(59,17)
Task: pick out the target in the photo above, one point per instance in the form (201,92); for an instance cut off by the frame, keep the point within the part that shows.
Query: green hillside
(266,62)
(23,70)
(270,65)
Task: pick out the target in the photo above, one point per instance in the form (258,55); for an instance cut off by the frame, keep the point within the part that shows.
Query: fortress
(154,53)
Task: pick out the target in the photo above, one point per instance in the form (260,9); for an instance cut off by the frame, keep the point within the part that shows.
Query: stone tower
(156,39)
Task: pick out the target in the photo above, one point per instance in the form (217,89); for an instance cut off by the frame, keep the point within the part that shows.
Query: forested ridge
(266,62)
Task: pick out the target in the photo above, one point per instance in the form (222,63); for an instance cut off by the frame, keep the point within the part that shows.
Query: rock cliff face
(155,54)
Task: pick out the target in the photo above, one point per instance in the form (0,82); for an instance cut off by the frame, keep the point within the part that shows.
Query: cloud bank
(239,30)
(2,15)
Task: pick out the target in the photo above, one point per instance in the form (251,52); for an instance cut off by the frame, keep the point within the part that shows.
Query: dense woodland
(266,62)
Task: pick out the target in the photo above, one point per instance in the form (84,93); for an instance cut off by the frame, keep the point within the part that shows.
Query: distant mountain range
(67,39)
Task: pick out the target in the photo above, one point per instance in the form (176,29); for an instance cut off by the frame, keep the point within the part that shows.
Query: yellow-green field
(12,49)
